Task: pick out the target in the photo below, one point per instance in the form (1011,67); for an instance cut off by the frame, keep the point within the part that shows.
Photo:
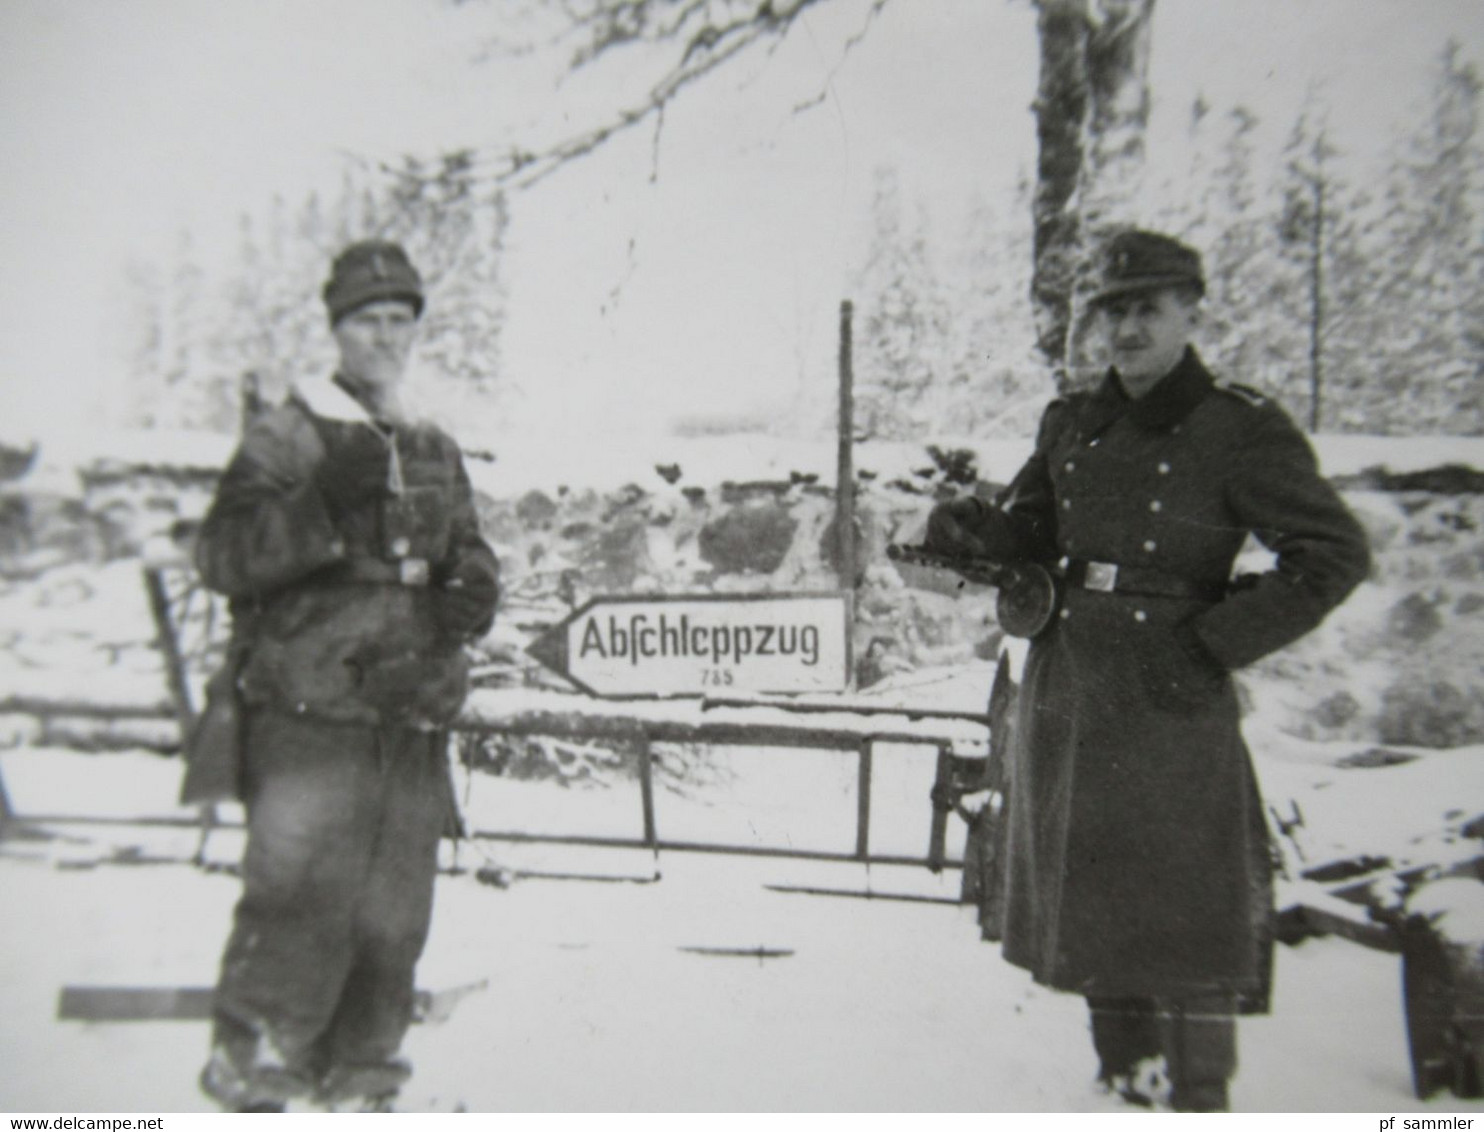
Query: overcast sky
(713,289)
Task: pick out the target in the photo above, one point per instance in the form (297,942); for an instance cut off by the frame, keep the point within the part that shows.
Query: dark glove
(945,795)
(408,683)
(464,603)
(962,528)
(355,473)
(1181,676)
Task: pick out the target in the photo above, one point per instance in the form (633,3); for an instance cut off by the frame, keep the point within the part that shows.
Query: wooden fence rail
(638,726)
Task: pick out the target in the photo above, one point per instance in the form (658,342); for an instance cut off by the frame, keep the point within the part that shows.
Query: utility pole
(845,470)
(1316,298)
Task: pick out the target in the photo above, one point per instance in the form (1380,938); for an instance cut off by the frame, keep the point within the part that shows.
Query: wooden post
(7,813)
(180,688)
(938,834)
(169,646)
(845,469)
(863,802)
(646,791)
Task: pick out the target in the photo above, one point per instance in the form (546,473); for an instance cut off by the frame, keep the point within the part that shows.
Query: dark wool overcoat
(1138,861)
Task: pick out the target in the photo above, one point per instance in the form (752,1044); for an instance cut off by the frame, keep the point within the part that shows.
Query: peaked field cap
(1135,261)
(370,271)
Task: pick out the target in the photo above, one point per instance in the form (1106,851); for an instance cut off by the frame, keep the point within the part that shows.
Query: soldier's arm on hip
(1277,492)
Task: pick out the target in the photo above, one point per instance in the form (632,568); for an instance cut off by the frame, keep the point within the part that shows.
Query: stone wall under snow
(1402,662)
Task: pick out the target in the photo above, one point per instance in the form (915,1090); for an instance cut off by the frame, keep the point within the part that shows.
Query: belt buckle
(412,571)
(1101,576)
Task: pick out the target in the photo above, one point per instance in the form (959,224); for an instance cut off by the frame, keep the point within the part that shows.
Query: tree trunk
(1092,107)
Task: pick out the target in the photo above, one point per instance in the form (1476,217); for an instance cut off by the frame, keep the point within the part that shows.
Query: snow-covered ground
(593,1004)
(597,997)
(610,994)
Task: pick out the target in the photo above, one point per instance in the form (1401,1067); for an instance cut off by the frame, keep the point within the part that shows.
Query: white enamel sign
(703,645)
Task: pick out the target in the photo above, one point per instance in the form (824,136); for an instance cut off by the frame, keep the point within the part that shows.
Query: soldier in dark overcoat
(1138,872)
(345,535)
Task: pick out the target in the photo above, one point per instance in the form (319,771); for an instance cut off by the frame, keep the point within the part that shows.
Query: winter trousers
(343,825)
(1197,1035)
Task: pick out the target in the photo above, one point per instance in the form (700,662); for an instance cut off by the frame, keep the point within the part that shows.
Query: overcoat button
(1066,504)
(1070,465)
(400,547)
(1149,545)
(1064,614)
(1140,615)
(1156,505)
(1164,468)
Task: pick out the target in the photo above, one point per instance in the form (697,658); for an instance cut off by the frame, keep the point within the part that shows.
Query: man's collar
(1166,405)
(328,398)
(1177,393)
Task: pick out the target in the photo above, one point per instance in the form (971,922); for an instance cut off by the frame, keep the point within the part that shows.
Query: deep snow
(593,1003)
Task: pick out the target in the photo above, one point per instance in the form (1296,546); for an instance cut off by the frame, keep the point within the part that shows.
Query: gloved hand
(945,795)
(464,603)
(355,473)
(408,683)
(963,527)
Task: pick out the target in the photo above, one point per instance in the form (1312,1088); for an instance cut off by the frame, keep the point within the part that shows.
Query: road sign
(706,644)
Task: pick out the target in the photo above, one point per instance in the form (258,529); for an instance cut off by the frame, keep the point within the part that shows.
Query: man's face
(1147,333)
(375,343)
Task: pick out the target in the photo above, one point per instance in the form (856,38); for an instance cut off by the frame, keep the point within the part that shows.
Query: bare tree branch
(850,45)
(709,33)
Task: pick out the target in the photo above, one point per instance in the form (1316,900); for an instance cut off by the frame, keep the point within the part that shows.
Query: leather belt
(403,572)
(1110,577)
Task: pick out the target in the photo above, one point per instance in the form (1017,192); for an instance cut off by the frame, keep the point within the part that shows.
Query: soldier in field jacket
(1138,872)
(345,536)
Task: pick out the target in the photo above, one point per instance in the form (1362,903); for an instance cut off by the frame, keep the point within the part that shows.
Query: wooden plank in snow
(193,1004)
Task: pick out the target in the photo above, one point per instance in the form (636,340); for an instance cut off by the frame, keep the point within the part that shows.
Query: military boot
(371,1087)
(1125,1033)
(240,1078)
(1200,1040)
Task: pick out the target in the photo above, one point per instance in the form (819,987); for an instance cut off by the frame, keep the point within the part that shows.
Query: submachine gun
(1028,595)
(1026,604)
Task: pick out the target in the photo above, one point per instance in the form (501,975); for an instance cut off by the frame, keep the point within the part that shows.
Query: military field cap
(1136,261)
(368,272)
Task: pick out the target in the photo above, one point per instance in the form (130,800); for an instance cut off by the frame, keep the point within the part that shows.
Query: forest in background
(1359,306)
(201,334)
